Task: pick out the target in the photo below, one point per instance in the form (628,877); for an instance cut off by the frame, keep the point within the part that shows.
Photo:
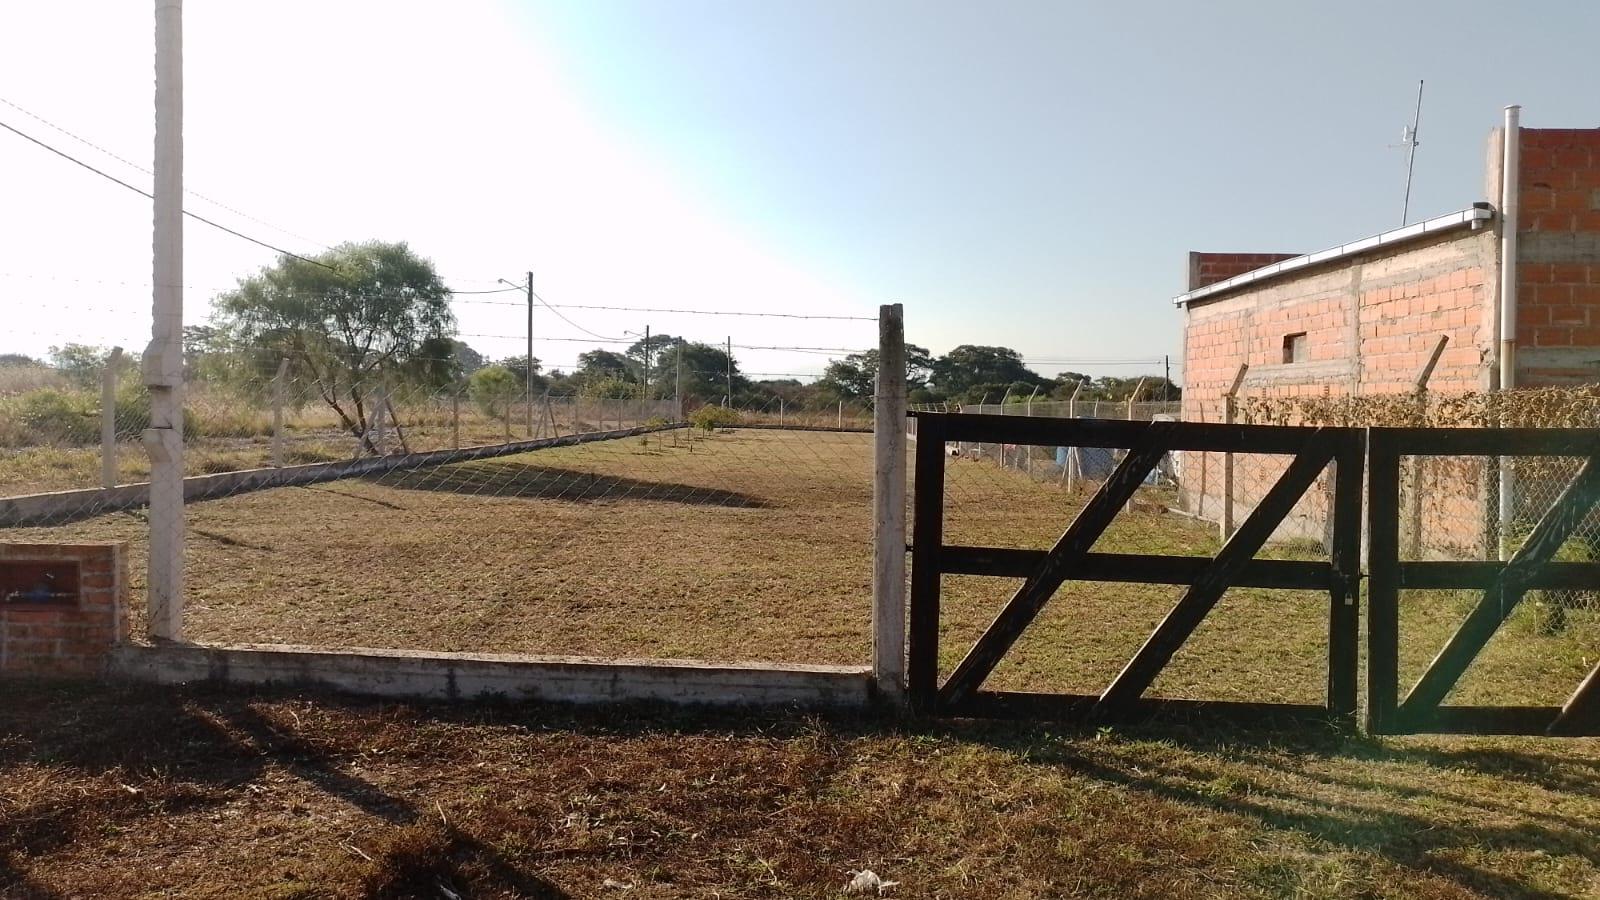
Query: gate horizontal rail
(1503,585)
(1311,450)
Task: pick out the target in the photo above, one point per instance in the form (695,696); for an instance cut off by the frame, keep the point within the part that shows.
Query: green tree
(704,373)
(493,389)
(969,372)
(855,376)
(84,363)
(350,317)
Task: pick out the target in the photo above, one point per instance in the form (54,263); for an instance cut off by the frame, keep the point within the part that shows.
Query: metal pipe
(1510,185)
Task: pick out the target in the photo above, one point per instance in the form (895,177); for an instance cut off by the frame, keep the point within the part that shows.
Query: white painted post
(108,419)
(841,410)
(455,418)
(1229,407)
(279,384)
(889,507)
(780,410)
(163,358)
(1069,472)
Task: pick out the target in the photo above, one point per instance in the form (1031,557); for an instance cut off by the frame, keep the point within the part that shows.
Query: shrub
(58,417)
(493,388)
(708,418)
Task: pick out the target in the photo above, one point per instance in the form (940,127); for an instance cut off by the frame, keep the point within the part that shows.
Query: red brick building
(1364,317)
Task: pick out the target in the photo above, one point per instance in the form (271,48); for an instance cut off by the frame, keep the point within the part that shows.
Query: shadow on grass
(1393,801)
(508,479)
(202,747)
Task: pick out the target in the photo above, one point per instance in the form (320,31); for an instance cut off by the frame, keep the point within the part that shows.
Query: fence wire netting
(393,513)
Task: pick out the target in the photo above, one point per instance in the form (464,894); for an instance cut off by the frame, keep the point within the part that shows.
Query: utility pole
(677,378)
(529,376)
(729,402)
(644,398)
(1166,378)
(163,359)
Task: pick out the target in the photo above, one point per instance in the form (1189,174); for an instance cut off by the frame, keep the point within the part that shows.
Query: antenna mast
(1408,139)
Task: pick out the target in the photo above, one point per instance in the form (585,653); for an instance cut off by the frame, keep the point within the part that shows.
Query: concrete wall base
(461,676)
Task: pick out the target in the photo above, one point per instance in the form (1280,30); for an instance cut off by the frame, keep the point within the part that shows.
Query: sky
(1026,174)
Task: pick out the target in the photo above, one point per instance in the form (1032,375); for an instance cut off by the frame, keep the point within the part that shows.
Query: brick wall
(1558,269)
(1369,321)
(63,607)
(1210,268)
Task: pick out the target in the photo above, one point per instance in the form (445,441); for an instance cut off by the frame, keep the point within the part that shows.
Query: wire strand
(141,191)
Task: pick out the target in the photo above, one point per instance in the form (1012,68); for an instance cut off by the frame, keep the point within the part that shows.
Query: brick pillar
(63,607)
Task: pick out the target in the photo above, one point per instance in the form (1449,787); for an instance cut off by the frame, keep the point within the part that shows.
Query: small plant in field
(493,388)
(710,418)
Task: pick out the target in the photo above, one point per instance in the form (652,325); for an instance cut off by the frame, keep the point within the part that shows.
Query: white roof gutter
(1471,217)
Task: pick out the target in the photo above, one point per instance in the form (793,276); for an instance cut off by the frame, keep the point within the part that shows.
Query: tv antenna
(1408,140)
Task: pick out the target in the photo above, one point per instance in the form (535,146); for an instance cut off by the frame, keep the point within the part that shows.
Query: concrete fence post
(455,418)
(108,419)
(278,388)
(841,413)
(1069,470)
(1419,395)
(1229,410)
(889,507)
(379,422)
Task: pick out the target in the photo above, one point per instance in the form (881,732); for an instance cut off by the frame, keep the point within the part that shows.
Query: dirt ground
(746,545)
(144,793)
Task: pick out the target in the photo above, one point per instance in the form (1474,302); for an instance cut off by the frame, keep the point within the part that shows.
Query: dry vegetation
(750,545)
(139,793)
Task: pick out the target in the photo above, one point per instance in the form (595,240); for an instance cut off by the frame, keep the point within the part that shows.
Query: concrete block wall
(1370,322)
(1558,265)
(70,631)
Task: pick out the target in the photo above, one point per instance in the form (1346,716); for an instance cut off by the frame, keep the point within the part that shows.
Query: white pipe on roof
(1471,216)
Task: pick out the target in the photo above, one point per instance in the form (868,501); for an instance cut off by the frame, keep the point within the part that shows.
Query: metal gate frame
(1503,583)
(1146,443)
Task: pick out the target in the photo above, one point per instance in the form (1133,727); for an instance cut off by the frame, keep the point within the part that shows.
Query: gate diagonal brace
(1020,611)
(1208,588)
(1502,595)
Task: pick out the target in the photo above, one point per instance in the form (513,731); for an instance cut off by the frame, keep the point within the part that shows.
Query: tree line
(366,313)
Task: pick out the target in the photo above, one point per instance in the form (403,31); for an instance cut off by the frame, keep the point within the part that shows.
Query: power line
(688,312)
(142,192)
(127,162)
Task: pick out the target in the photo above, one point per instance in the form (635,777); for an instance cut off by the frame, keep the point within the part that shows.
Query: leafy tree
(353,315)
(518,365)
(468,360)
(971,372)
(19,359)
(599,363)
(704,372)
(611,388)
(659,343)
(855,376)
(493,389)
(84,363)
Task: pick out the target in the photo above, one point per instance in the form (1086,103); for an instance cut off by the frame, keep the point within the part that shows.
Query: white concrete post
(279,386)
(108,419)
(1229,407)
(841,405)
(889,507)
(163,358)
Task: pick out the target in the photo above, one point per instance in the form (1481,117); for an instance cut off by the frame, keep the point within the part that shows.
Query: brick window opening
(1294,347)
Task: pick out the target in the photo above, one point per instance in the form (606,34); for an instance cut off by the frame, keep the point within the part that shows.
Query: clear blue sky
(1033,173)
(1026,174)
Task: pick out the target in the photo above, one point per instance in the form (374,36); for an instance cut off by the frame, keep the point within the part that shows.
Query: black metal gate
(1310,451)
(1503,584)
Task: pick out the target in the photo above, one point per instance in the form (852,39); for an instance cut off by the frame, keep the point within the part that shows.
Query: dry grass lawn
(748,545)
(745,545)
(145,793)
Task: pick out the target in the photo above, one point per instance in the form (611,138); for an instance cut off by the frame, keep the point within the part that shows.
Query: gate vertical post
(1383,583)
(889,507)
(927,542)
(1344,613)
